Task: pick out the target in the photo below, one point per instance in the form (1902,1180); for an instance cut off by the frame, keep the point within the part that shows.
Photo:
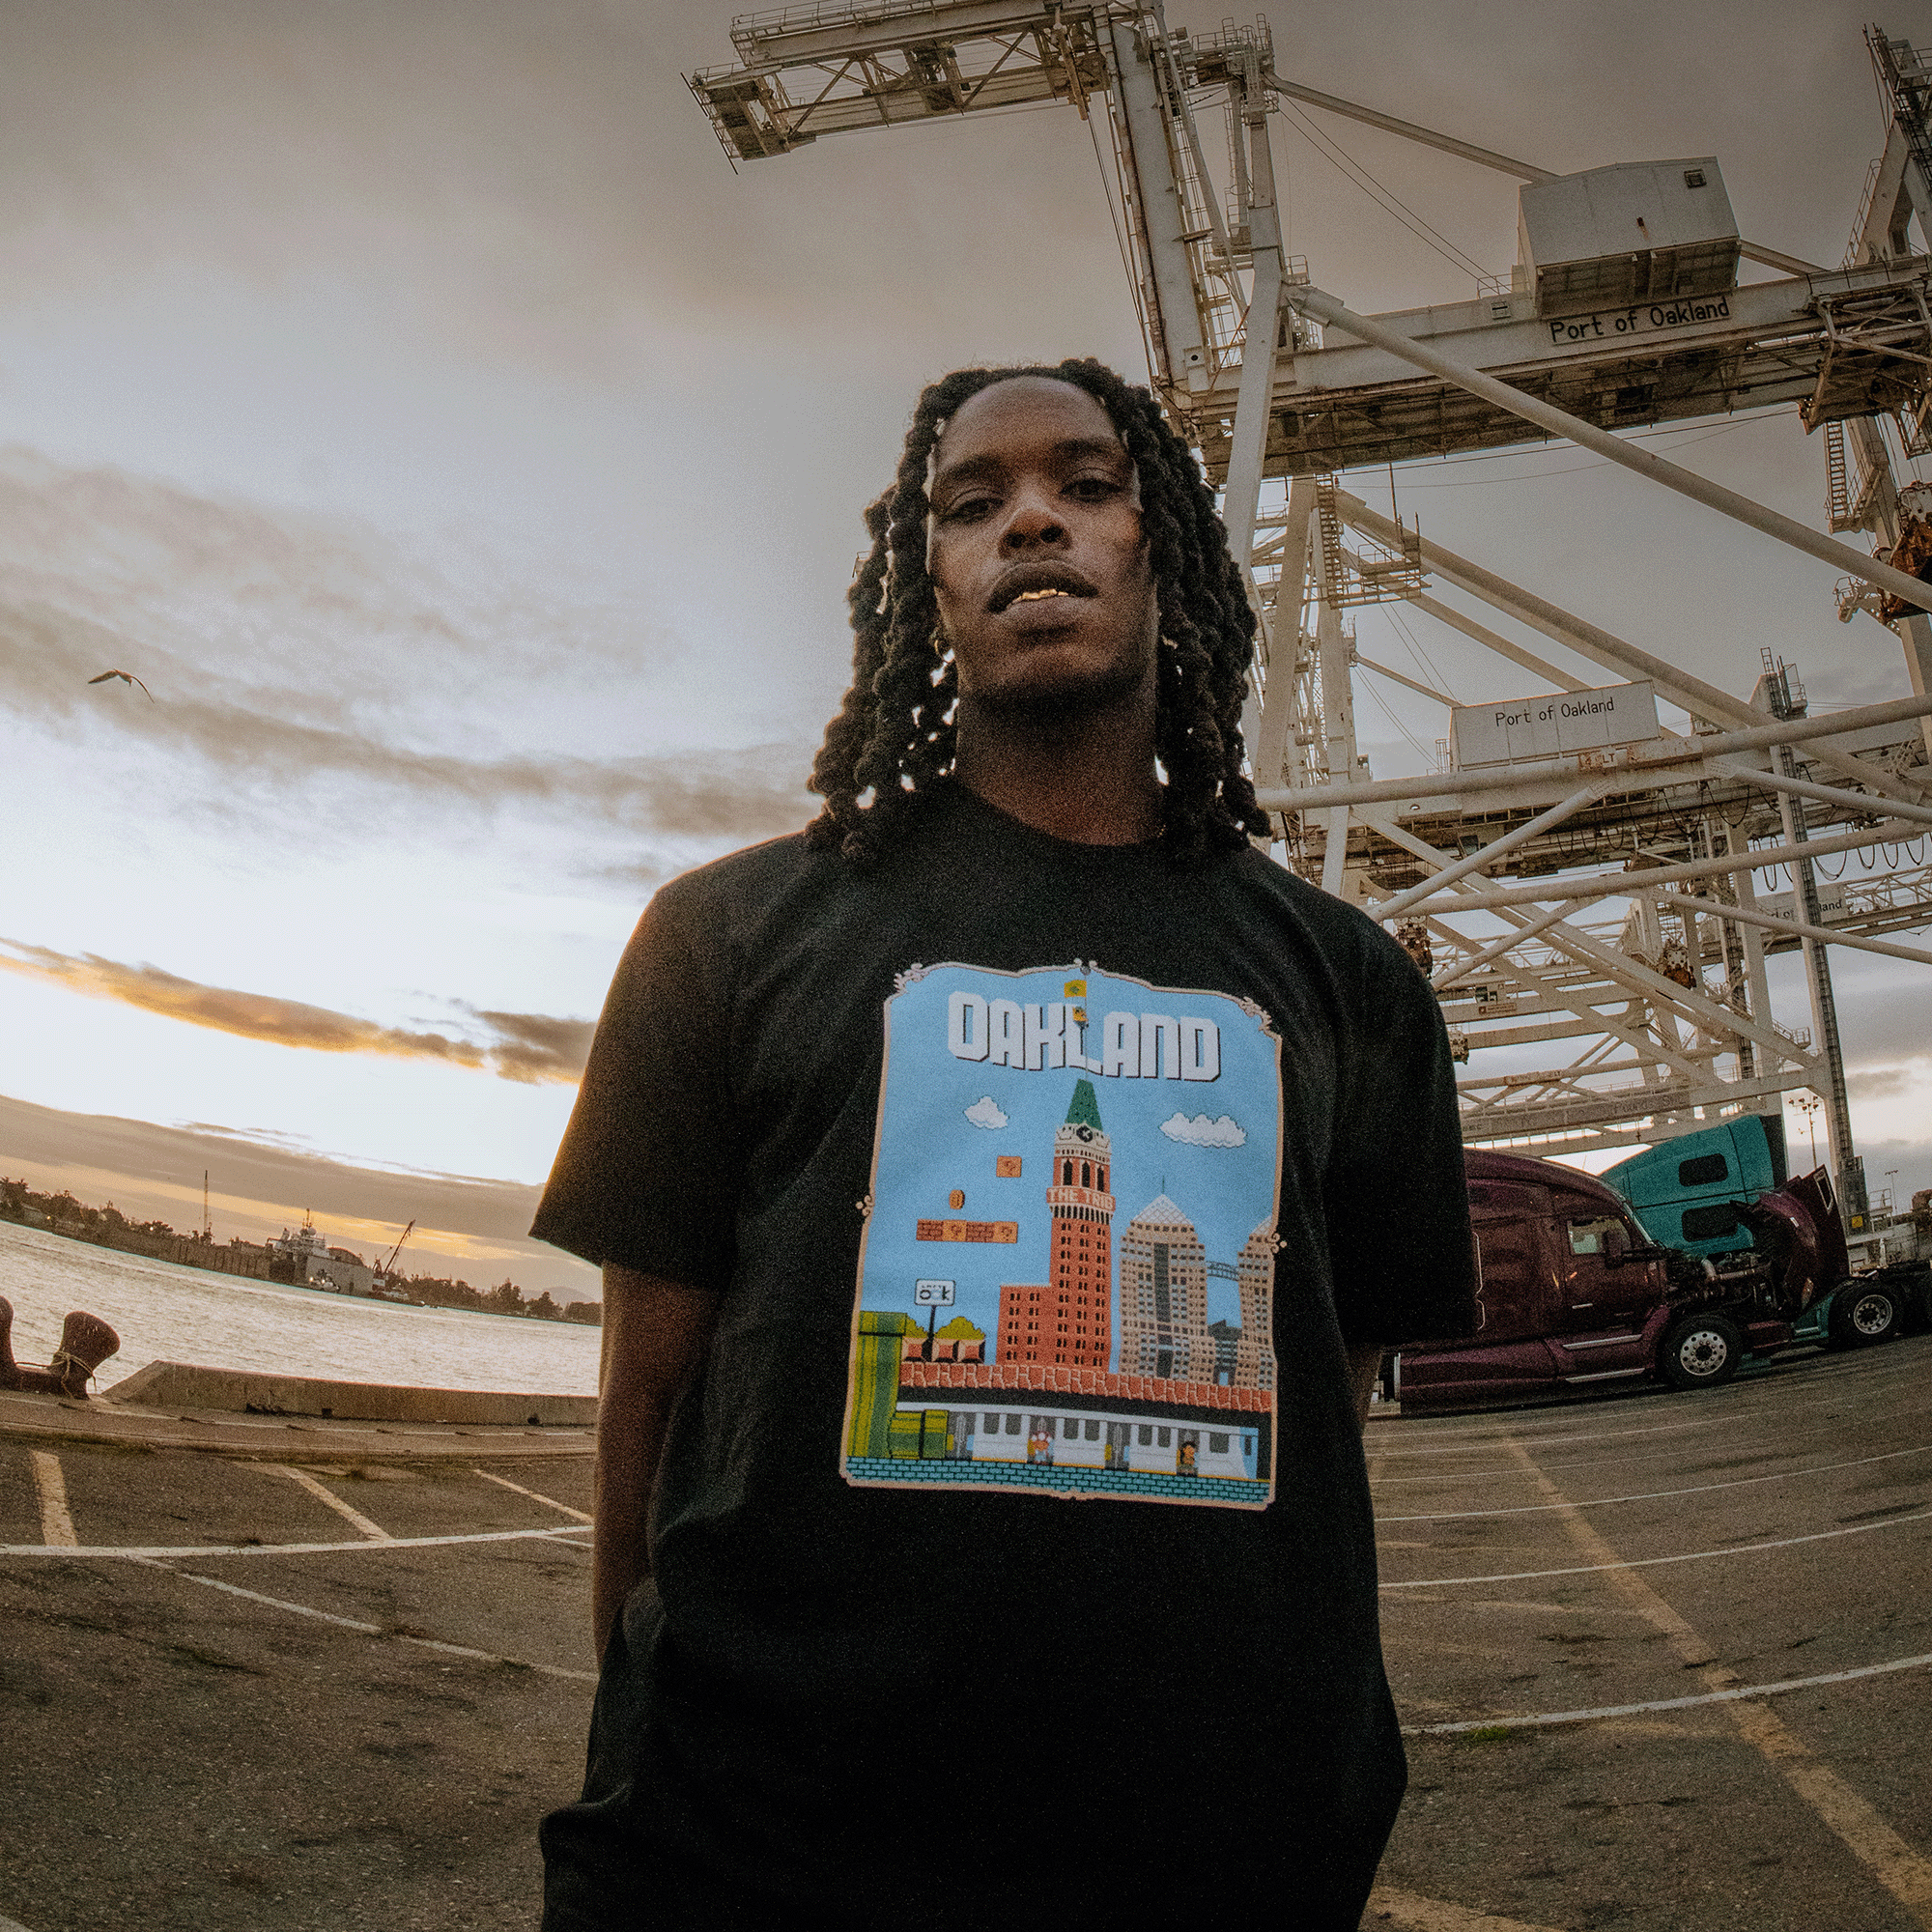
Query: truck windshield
(1605,1234)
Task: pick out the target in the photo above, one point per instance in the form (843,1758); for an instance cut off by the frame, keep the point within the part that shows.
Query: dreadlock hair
(894,736)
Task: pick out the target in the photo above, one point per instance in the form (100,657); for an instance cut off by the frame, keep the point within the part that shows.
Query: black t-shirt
(1018,1523)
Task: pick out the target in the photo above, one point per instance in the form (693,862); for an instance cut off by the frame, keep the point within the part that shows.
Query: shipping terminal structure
(1593,889)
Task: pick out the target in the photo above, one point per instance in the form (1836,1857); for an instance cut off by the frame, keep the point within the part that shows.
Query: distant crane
(389,1267)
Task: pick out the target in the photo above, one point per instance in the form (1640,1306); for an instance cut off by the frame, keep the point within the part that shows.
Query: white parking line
(149,1552)
(1787,1404)
(1489,1444)
(366,1629)
(490,1657)
(56,1524)
(1771,1450)
(323,1493)
(1730,1696)
(1653,1562)
(275,1602)
(548,1502)
(1659,1495)
(1904,1872)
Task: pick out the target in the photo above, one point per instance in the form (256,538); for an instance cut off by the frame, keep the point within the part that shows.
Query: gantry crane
(1632,929)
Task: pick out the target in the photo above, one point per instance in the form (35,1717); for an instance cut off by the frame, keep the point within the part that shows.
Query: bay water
(166,1313)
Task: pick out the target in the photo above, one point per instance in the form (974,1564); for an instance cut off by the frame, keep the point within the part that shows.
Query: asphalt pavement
(1574,1597)
(1665,1660)
(313,1690)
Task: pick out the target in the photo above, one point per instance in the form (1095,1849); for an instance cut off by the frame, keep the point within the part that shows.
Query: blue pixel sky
(933,1146)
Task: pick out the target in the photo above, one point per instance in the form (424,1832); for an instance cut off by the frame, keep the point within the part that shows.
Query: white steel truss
(1605,904)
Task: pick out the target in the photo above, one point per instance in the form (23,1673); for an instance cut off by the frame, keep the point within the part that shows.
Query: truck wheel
(1863,1316)
(1701,1352)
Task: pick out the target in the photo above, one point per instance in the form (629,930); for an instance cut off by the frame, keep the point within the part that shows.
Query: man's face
(1036,555)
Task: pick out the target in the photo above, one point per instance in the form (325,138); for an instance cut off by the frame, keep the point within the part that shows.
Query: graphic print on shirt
(1067,1281)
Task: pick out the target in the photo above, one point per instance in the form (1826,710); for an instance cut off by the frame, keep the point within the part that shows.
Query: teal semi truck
(1703,1195)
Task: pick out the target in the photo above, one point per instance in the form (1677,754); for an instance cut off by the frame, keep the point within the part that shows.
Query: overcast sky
(469,463)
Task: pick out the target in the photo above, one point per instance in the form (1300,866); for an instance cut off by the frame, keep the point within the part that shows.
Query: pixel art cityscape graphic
(1015,1327)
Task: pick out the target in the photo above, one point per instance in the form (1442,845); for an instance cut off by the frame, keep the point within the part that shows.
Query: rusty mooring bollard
(86,1342)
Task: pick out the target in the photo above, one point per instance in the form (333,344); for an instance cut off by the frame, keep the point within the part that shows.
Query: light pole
(1809,1104)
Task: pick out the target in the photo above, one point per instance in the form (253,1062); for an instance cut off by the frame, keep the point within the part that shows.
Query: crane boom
(388,1265)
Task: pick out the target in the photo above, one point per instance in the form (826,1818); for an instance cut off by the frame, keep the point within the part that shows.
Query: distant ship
(304,1241)
(320,1265)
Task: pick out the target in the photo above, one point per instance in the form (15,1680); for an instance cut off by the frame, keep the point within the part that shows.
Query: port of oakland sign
(1639,318)
(1555,725)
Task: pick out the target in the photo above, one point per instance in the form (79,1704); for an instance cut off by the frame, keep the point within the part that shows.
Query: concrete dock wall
(237,1258)
(188,1385)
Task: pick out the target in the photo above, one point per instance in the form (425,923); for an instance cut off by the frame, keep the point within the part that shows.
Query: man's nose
(1033,522)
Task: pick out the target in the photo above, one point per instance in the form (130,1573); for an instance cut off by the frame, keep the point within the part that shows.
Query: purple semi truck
(1575,1294)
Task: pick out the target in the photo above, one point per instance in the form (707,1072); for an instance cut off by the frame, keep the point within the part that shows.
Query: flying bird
(125,677)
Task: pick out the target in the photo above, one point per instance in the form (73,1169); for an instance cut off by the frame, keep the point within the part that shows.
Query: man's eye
(1094,488)
(966,509)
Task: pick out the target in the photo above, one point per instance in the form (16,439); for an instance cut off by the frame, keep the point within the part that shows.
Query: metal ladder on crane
(1837,486)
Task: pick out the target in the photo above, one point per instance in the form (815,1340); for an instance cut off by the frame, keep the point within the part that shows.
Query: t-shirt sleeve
(1398,1204)
(647,1173)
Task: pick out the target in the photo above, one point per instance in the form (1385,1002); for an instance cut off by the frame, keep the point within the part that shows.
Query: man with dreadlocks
(1063,1612)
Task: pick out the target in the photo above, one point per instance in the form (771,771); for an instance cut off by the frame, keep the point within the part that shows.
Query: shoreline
(256,1331)
(186,1251)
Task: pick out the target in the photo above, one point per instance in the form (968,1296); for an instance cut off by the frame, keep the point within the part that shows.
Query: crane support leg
(1175,320)
(1257,353)
(1847,1168)
(1268,749)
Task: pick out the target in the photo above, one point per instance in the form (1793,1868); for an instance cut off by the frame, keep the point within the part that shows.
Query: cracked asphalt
(1644,1550)
(180,1755)
(1666,1662)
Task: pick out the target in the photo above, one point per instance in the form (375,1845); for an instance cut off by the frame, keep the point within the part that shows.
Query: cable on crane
(1881,95)
(1353,170)
(1555,445)
(1121,242)
(1569,468)
(1428,759)
(1423,661)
